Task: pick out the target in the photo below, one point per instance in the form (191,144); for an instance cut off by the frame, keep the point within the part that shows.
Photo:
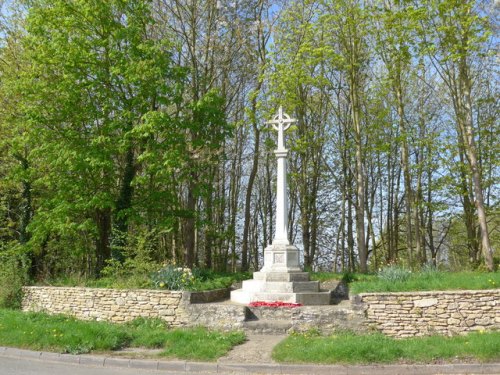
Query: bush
(394,274)
(132,273)
(172,277)
(13,275)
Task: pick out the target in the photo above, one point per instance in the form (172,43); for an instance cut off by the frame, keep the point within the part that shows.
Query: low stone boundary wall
(394,314)
(112,305)
(426,313)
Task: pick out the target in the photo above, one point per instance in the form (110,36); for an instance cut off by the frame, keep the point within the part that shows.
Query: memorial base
(281,279)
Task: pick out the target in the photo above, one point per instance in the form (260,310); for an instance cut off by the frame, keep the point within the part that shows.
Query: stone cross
(281,122)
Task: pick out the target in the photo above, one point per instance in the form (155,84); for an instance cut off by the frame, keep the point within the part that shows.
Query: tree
(92,76)
(459,34)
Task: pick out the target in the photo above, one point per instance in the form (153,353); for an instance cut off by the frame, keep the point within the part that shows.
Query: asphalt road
(24,362)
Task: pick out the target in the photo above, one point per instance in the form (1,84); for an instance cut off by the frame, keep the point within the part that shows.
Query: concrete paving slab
(257,349)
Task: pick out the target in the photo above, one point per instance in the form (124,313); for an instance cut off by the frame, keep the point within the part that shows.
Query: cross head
(281,122)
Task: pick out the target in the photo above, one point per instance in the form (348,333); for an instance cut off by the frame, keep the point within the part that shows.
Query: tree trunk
(123,203)
(103,250)
(470,146)
(360,178)
(189,223)
(405,162)
(248,196)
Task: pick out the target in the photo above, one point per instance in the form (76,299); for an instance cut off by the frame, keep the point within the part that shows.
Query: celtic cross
(281,122)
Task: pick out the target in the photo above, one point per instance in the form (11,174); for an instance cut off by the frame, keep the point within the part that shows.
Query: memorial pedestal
(281,279)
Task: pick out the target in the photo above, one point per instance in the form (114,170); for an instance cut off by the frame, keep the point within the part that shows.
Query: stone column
(281,256)
(281,236)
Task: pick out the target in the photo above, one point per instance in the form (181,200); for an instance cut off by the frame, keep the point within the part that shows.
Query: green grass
(64,334)
(348,348)
(204,280)
(418,281)
(199,343)
(430,281)
(348,277)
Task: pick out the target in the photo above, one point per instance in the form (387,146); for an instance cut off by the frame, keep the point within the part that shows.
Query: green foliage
(172,277)
(350,348)
(139,274)
(430,279)
(88,83)
(131,274)
(205,279)
(13,275)
(200,344)
(63,334)
(148,333)
(59,333)
(392,279)
(394,274)
(347,277)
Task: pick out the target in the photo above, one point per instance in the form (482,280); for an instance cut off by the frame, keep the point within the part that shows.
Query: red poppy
(274,304)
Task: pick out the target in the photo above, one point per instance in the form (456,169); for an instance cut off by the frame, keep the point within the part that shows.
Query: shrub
(132,273)
(13,275)
(394,273)
(172,277)
(349,277)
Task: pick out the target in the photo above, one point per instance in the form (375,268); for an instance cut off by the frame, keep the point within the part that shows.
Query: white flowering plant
(172,277)
(394,273)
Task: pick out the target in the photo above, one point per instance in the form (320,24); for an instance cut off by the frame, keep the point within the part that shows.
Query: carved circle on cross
(282,119)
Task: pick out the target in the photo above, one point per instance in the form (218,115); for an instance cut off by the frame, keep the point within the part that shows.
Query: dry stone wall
(426,313)
(107,304)
(394,314)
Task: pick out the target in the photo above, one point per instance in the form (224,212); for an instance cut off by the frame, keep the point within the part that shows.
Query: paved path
(257,349)
(25,362)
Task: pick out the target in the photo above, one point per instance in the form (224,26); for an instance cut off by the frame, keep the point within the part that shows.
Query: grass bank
(64,334)
(203,280)
(405,281)
(348,348)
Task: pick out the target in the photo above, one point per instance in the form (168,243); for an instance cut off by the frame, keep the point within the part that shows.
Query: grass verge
(425,281)
(349,348)
(418,281)
(203,280)
(64,334)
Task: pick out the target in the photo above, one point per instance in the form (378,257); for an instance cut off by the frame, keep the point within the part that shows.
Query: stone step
(273,327)
(321,298)
(268,313)
(281,276)
(280,286)
(311,298)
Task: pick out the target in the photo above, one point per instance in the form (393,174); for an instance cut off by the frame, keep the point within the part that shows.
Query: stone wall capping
(450,293)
